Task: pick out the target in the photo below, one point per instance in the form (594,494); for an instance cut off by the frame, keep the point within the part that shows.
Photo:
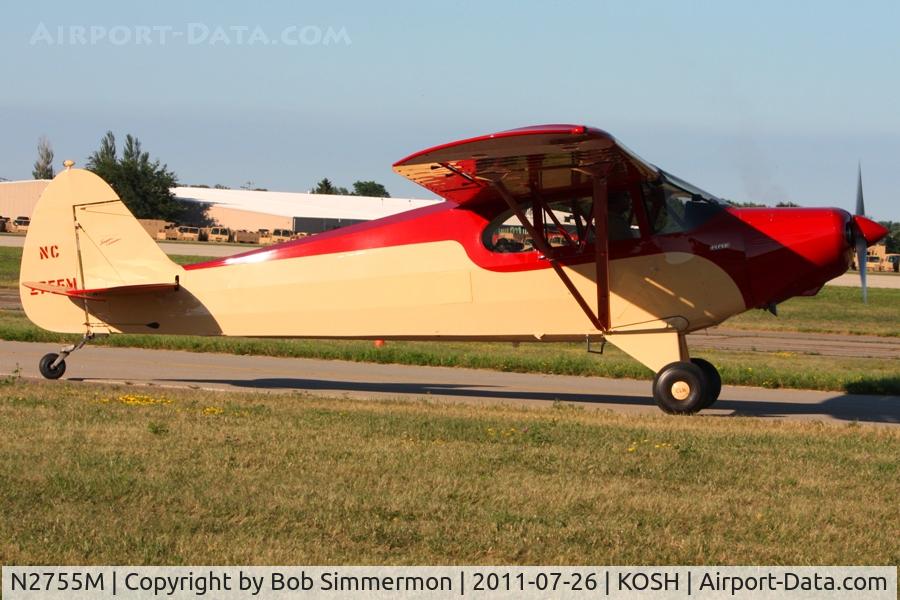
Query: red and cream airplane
(549,233)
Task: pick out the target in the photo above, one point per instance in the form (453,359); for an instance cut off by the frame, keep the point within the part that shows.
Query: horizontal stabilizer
(102,293)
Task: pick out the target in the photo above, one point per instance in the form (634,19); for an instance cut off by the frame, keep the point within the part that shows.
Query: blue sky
(762,101)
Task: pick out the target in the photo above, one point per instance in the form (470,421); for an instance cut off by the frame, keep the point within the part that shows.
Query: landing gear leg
(52,366)
(683,385)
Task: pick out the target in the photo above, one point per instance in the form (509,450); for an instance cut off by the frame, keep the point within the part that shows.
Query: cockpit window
(570,224)
(621,217)
(675,206)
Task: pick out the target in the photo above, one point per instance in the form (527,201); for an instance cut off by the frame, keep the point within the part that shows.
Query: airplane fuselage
(427,274)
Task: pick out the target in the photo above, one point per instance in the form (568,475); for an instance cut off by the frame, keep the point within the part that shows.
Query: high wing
(538,157)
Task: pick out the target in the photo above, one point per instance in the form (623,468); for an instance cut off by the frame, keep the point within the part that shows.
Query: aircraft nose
(792,251)
(870,230)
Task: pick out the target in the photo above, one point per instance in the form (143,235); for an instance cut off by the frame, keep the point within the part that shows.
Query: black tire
(680,388)
(46,368)
(713,380)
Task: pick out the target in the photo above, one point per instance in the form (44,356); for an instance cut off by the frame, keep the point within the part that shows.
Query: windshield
(675,206)
(687,187)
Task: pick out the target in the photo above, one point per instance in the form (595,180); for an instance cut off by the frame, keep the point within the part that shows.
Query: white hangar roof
(296,204)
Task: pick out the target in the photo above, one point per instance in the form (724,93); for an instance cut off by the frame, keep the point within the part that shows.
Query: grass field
(834,310)
(9,266)
(114,475)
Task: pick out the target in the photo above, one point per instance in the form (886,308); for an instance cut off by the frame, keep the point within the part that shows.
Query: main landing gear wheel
(48,369)
(681,388)
(712,378)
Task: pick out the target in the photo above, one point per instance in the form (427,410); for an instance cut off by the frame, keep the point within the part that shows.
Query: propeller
(863,233)
(861,245)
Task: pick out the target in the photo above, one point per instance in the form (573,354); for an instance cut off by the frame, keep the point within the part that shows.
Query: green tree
(744,204)
(370,188)
(892,241)
(324,187)
(360,188)
(142,184)
(43,166)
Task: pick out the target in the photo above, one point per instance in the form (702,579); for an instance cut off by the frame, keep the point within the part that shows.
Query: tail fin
(82,237)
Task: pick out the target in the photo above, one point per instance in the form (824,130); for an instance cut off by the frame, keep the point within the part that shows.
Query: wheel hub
(681,390)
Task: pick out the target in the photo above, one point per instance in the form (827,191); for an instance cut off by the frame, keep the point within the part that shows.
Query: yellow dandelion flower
(141,400)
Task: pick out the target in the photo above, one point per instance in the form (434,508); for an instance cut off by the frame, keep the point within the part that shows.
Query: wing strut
(601,249)
(600,319)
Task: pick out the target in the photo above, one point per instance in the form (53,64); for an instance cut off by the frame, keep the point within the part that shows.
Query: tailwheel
(52,366)
(681,388)
(712,378)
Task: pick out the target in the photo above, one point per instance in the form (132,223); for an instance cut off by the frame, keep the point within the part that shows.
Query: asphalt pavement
(225,372)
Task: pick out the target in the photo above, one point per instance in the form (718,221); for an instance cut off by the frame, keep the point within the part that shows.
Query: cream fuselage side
(416,291)
(424,291)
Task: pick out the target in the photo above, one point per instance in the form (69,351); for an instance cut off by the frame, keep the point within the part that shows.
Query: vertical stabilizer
(82,236)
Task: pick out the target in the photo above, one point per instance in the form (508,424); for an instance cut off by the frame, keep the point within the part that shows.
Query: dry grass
(111,475)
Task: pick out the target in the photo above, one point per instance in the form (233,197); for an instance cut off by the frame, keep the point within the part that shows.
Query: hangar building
(246,209)
(18,198)
(300,212)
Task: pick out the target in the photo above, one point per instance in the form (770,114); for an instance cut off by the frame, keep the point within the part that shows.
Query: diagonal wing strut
(599,319)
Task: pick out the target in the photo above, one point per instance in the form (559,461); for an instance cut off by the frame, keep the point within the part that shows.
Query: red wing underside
(541,158)
(103,293)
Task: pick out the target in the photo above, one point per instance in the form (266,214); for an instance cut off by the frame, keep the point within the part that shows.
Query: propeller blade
(861,259)
(860,205)
(861,242)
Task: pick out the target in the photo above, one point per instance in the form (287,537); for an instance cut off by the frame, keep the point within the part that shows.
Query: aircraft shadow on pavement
(847,407)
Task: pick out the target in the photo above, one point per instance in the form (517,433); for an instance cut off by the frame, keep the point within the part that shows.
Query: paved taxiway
(362,380)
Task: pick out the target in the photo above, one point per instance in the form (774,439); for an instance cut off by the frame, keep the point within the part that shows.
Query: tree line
(360,188)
